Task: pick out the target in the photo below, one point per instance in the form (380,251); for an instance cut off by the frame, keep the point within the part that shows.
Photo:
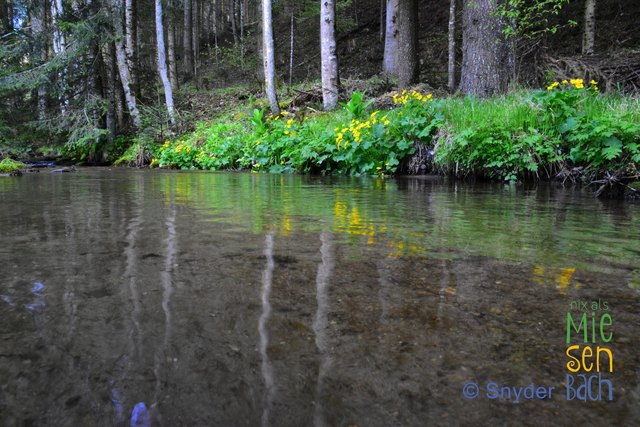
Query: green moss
(11,166)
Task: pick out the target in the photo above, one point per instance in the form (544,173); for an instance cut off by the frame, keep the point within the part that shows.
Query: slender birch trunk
(451,66)
(291,45)
(131,34)
(162,63)
(269,57)
(589,35)
(330,78)
(389,64)
(121,61)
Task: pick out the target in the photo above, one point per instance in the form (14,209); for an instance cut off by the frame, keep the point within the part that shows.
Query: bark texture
(187,42)
(162,63)
(330,78)
(407,62)
(121,61)
(171,46)
(391,39)
(589,34)
(268,53)
(485,55)
(451,63)
(131,35)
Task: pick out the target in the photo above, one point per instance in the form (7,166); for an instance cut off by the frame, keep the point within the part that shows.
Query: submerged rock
(63,170)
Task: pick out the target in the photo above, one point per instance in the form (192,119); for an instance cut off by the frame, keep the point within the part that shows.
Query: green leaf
(568,125)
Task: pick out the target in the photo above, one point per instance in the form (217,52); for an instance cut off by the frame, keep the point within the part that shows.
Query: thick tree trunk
(131,35)
(187,43)
(485,55)
(329,58)
(171,45)
(391,39)
(451,66)
(269,61)
(589,35)
(407,42)
(162,63)
(123,69)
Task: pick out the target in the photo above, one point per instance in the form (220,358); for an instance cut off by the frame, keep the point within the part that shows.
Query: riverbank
(567,131)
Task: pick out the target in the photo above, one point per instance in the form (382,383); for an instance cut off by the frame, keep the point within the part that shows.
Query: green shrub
(11,166)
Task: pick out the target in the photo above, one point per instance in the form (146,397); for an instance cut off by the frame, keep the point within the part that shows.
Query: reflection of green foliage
(634,283)
(508,224)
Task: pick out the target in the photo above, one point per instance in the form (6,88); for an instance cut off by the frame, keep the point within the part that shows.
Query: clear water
(169,298)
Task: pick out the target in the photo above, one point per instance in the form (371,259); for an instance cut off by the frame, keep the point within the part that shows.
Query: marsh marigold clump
(572,84)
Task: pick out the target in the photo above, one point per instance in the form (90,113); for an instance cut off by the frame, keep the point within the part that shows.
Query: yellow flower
(387,122)
(564,82)
(593,82)
(577,83)
(552,85)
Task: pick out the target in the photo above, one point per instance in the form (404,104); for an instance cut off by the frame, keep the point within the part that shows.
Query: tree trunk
(186,41)
(110,90)
(6,17)
(407,62)
(451,68)
(234,30)
(195,37)
(260,49)
(329,58)
(291,45)
(171,44)
(391,40)
(269,61)
(38,13)
(589,35)
(242,24)
(162,63)
(59,46)
(485,56)
(121,61)
(131,30)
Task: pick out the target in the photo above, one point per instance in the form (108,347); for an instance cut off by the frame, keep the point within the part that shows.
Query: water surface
(171,298)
